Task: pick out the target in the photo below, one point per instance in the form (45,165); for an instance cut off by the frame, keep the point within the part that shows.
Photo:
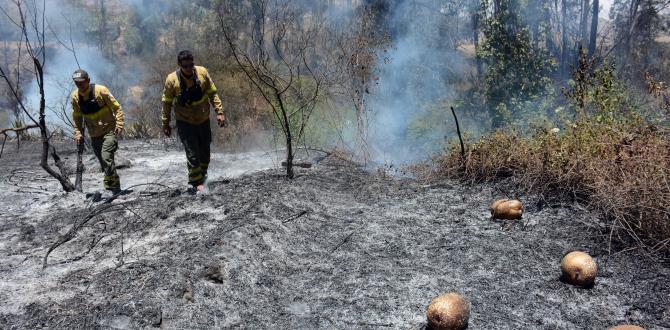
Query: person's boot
(106,194)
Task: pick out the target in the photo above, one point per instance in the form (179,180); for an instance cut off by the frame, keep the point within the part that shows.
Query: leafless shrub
(282,63)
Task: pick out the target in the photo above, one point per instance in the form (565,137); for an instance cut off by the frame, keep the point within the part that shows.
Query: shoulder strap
(179,78)
(182,82)
(91,95)
(195,76)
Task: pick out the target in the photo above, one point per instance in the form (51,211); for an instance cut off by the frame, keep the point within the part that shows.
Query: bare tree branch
(38,59)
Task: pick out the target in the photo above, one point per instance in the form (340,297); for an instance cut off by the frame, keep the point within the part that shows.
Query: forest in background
(402,62)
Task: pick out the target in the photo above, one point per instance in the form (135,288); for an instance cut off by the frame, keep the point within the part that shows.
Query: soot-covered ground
(338,247)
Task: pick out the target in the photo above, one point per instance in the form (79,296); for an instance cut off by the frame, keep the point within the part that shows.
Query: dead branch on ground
(104,208)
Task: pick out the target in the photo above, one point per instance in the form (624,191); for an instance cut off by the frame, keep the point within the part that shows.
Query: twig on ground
(106,207)
(295,216)
(101,209)
(342,243)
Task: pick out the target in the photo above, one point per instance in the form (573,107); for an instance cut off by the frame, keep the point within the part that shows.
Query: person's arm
(114,105)
(215,100)
(77,119)
(167,100)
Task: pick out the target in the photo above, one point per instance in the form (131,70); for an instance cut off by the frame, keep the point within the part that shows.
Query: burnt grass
(338,247)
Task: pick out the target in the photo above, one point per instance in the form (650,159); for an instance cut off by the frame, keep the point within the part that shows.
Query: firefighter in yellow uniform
(95,106)
(190,90)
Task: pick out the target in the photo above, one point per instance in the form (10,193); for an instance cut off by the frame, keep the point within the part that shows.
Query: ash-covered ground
(338,247)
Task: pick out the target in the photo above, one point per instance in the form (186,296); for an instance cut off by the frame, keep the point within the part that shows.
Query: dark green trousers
(196,140)
(104,148)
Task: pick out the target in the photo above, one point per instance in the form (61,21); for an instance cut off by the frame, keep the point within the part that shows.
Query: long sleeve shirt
(197,112)
(109,117)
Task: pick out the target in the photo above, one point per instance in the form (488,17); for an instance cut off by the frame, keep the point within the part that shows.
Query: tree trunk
(61,177)
(632,21)
(80,166)
(475,38)
(594,28)
(564,47)
(288,135)
(584,24)
(536,8)
(289,156)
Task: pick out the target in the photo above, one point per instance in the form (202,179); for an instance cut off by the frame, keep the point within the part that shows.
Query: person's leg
(189,138)
(96,143)
(109,147)
(205,140)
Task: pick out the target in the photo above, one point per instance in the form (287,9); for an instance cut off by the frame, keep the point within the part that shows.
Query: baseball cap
(80,75)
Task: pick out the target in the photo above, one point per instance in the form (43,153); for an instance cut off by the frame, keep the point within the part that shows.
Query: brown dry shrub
(620,170)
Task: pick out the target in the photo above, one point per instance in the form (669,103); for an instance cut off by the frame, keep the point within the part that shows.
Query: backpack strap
(91,94)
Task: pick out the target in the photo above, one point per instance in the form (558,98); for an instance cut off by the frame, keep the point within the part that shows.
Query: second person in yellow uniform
(190,90)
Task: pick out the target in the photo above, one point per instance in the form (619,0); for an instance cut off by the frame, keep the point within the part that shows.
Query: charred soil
(337,247)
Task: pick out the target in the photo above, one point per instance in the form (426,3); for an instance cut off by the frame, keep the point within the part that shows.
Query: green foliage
(599,94)
(428,125)
(516,70)
(331,123)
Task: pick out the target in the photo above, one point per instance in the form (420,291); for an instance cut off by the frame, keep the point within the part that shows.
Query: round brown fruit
(495,204)
(508,209)
(579,268)
(626,327)
(448,312)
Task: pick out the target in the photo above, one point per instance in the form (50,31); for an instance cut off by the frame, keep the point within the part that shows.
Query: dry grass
(620,170)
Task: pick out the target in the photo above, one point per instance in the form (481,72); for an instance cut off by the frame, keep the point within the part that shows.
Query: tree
(637,23)
(516,70)
(584,24)
(282,63)
(31,22)
(361,44)
(594,28)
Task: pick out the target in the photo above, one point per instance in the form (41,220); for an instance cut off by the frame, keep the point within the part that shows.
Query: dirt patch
(338,247)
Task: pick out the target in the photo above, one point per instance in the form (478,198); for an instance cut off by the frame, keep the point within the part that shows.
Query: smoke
(605,8)
(57,78)
(416,79)
(71,46)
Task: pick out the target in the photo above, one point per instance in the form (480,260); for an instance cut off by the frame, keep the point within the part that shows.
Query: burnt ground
(338,247)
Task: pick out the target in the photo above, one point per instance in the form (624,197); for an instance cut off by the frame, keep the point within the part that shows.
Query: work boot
(94,196)
(106,194)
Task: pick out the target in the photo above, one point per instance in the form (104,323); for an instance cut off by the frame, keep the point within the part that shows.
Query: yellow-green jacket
(109,116)
(196,112)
